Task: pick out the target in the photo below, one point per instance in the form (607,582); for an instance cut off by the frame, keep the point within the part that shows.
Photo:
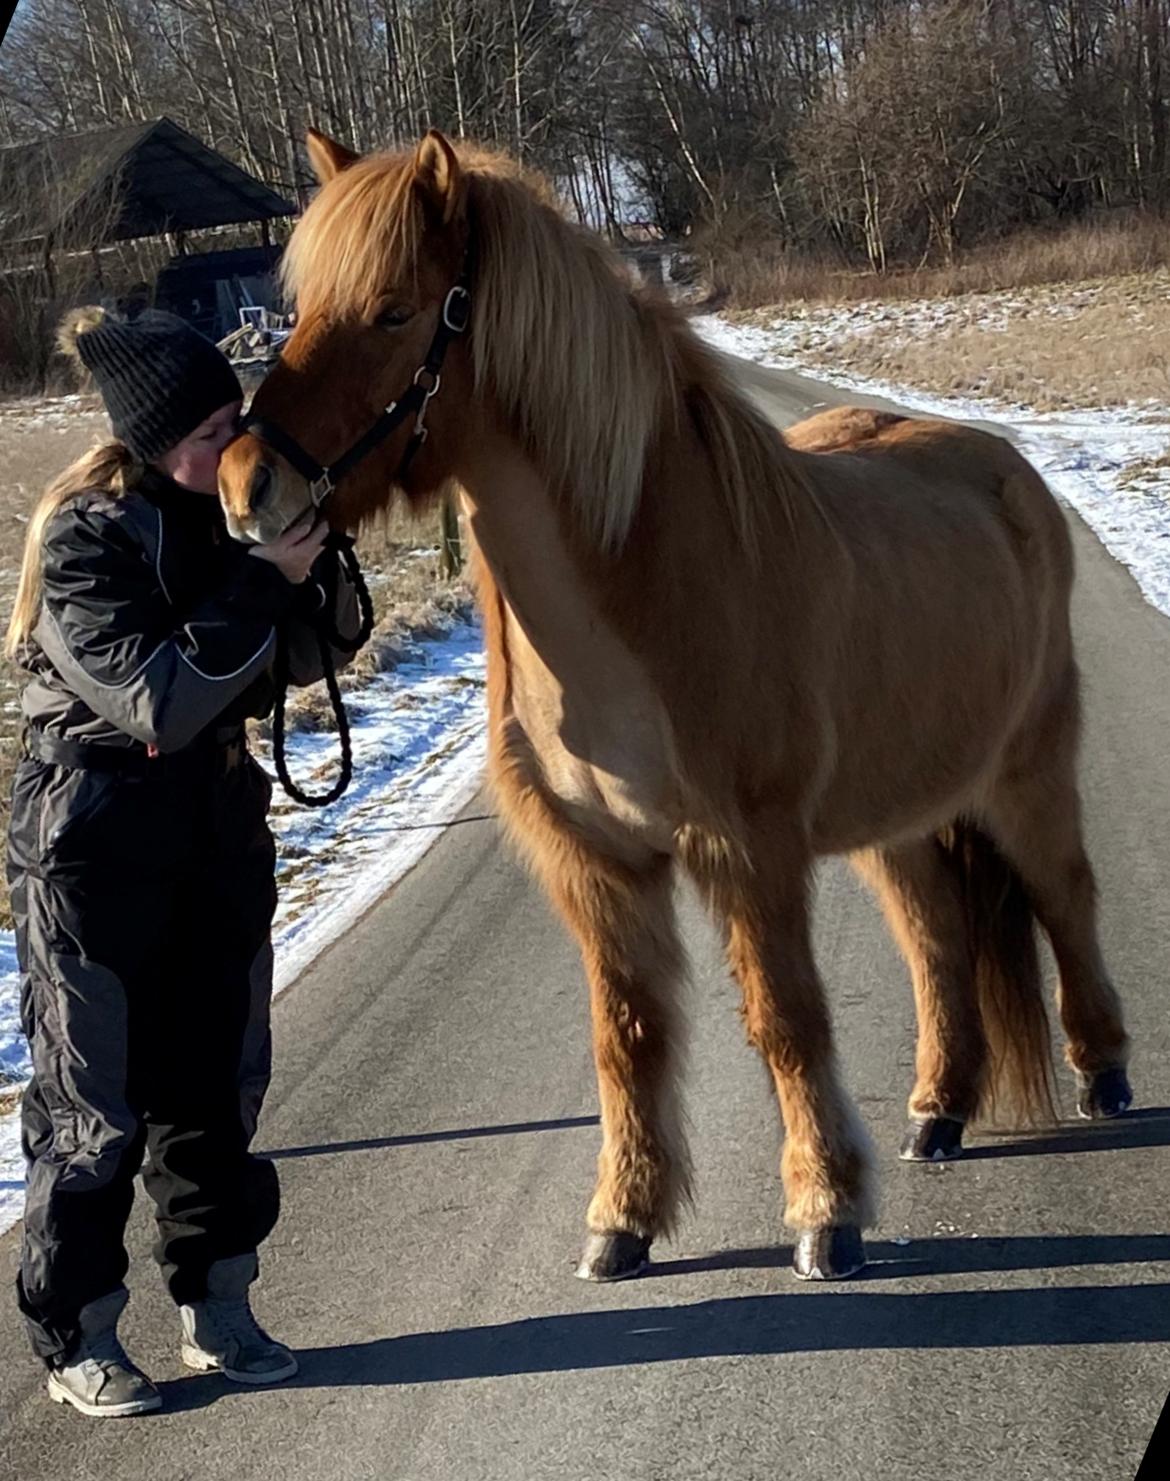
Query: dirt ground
(38,439)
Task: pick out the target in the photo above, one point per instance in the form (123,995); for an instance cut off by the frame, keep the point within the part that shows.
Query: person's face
(194,462)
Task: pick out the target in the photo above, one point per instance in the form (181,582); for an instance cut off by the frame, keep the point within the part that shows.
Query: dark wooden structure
(85,193)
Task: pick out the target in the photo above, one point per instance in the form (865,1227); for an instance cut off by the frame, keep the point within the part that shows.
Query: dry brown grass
(1103,342)
(398,555)
(1103,248)
(1113,353)
(1146,473)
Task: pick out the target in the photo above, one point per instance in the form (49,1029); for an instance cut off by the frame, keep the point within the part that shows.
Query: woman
(142,868)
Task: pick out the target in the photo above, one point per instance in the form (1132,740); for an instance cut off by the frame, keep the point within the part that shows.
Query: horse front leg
(622,914)
(624,920)
(826,1162)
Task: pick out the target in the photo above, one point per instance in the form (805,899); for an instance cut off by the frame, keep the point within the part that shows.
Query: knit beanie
(158,377)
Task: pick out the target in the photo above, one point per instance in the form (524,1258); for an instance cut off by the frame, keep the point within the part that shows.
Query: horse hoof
(1103,1095)
(936,1139)
(828,1254)
(615,1255)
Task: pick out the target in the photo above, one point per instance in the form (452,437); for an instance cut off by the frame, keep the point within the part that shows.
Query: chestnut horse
(708,647)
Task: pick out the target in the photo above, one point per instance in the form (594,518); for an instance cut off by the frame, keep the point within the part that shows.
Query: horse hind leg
(1036,820)
(922,901)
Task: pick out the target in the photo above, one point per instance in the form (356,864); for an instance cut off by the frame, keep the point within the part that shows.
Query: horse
(714,650)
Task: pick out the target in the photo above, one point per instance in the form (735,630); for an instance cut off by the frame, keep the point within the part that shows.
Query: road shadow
(444,824)
(421,1138)
(1145,1128)
(948,1256)
(857,1321)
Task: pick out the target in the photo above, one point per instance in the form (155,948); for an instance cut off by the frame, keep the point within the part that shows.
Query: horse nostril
(261,490)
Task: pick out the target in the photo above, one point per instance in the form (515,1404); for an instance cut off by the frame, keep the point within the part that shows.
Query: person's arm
(327,598)
(108,629)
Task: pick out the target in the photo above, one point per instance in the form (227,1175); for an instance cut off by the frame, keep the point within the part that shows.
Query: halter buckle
(321,488)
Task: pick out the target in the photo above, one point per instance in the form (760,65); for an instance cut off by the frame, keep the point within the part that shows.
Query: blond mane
(589,369)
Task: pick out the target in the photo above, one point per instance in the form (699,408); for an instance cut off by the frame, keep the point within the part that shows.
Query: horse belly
(935,753)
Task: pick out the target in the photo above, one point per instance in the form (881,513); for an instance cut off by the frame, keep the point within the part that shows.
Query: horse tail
(1001,929)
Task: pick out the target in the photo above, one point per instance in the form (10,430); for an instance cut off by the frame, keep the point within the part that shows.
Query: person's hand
(294,552)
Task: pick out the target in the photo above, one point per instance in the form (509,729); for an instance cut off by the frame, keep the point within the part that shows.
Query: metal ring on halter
(438,380)
(461,297)
(320,489)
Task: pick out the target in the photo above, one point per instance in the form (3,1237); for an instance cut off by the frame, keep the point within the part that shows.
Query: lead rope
(328,639)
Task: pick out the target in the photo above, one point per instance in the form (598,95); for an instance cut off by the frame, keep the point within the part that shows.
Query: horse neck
(683,588)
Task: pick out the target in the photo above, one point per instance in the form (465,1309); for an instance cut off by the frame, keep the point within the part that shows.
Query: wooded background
(883,131)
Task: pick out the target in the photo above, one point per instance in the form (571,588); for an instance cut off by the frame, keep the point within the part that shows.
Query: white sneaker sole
(61,1395)
(203,1362)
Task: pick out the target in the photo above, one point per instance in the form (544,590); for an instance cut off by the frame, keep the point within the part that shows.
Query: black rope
(328,639)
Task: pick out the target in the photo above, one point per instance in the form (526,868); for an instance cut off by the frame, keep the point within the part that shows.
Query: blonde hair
(110,466)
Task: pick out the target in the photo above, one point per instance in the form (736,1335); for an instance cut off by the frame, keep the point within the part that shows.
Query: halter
(322,480)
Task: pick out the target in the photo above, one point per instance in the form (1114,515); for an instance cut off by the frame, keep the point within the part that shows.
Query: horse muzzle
(260,497)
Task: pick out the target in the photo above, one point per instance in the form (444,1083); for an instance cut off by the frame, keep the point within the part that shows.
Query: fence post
(450,540)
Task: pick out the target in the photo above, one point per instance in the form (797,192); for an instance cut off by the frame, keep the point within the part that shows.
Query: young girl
(142,868)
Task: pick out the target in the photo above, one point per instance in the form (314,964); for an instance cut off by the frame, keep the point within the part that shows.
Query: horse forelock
(353,243)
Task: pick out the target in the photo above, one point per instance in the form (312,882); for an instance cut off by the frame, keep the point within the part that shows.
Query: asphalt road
(433,1115)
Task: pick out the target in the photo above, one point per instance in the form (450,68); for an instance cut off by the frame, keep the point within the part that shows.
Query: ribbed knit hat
(158,377)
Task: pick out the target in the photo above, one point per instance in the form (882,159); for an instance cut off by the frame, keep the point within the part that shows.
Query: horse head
(378,269)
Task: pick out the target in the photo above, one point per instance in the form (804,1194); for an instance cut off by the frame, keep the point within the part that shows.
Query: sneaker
(220,1334)
(99,1379)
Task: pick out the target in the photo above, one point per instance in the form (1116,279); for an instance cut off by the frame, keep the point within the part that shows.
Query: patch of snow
(419,742)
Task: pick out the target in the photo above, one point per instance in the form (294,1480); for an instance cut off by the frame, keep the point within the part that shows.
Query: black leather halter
(322,480)
(454,319)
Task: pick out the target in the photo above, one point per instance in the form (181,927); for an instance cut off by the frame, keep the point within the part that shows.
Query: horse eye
(394,318)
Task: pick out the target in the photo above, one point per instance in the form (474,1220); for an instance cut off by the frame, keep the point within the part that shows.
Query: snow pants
(143,890)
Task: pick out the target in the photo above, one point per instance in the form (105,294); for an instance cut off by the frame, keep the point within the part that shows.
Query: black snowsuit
(142,877)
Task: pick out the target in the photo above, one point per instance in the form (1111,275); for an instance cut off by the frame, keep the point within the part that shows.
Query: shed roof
(137,180)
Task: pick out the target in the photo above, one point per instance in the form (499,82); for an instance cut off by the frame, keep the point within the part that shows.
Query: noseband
(322,480)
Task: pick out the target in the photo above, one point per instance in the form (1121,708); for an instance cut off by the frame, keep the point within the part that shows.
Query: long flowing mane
(590,369)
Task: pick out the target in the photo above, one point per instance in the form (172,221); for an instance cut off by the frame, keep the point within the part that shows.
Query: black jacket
(156,625)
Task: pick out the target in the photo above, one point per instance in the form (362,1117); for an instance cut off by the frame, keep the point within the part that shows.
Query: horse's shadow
(792,1321)
(1149,1127)
(1146,1128)
(892,1260)
(838,1321)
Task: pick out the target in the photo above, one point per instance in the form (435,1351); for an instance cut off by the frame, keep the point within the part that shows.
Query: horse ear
(327,156)
(438,177)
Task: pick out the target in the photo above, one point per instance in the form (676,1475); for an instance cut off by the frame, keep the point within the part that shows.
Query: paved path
(434,1118)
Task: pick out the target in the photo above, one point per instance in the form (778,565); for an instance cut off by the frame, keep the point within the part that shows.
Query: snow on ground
(57,413)
(1087,457)
(419,743)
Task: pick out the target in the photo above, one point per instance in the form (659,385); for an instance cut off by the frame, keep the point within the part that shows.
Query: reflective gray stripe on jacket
(152,627)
